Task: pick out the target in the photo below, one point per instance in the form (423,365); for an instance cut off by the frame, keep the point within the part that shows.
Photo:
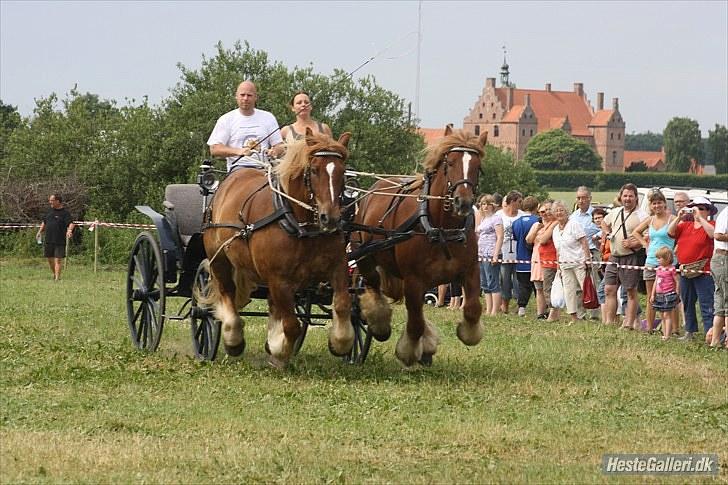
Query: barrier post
(96,246)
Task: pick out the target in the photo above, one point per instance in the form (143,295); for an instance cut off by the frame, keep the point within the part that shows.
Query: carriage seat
(184,203)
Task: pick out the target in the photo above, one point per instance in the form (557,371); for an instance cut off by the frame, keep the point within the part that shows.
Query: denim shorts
(664,302)
(492,277)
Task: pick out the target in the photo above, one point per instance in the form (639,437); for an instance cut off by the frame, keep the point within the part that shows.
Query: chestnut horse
(287,246)
(442,248)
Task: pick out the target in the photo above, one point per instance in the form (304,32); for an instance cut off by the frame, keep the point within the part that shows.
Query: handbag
(590,300)
(694,269)
(557,292)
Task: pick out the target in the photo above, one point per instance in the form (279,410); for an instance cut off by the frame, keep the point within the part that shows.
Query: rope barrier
(92,225)
(593,263)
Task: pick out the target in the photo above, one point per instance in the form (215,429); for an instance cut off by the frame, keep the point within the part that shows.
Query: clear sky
(661,59)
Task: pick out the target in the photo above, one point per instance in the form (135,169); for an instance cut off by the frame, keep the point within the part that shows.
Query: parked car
(718,197)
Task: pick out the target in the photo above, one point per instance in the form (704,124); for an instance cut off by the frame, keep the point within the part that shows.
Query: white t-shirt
(721,226)
(508,250)
(234,129)
(568,247)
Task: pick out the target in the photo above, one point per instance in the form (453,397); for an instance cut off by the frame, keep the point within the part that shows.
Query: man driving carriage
(245,130)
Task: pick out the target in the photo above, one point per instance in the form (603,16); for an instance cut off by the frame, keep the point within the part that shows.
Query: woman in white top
(301,107)
(573,254)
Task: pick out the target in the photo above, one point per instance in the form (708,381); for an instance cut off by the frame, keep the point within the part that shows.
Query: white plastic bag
(557,292)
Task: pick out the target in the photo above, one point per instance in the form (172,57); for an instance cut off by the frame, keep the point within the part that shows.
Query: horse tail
(211,295)
(391,286)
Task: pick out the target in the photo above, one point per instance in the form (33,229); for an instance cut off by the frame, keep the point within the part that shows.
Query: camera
(688,210)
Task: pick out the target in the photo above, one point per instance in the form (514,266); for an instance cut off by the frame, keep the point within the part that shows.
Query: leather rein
(282,210)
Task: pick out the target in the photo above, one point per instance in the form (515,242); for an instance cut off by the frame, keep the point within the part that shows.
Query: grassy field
(534,402)
(598,198)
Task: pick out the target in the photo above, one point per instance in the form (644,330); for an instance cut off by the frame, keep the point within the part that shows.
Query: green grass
(533,402)
(598,198)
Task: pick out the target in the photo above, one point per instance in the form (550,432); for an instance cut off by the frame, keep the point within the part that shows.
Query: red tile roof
(601,118)
(514,114)
(553,104)
(555,123)
(431,135)
(651,159)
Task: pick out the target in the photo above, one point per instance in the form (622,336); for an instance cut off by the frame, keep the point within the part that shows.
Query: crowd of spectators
(678,260)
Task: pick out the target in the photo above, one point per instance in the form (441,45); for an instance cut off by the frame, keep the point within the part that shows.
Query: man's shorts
(55,250)
(628,278)
(649,274)
(719,268)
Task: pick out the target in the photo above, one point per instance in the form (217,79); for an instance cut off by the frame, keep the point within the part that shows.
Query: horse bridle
(307,180)
(447,205)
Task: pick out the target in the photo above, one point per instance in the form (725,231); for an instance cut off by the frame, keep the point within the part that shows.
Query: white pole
(419,48)
(96,247)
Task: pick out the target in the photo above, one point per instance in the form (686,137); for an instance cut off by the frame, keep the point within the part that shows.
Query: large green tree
(648,142)
(718,146)
(557,150)
(682,144)
(126,155)
(383,138)
(501,173)
(9,120)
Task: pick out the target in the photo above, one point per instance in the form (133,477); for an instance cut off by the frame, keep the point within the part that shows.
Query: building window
(611,136)
(614,157)
(480,115)
(477,130)
(523,132)
(495,130)
(619,136)
(531,134)
(493,115)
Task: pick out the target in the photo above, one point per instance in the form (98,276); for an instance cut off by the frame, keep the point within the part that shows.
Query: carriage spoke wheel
(204,328)
(145,293)
(303,309)
(362,336)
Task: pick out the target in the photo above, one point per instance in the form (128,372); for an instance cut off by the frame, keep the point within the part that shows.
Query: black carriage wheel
(362,336)
(303,308)
(204,328)
(145,293)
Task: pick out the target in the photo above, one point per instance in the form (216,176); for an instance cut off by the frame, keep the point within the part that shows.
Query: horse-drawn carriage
(289,234)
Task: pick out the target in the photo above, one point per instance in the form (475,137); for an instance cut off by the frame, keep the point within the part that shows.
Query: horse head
(324,176)
(459,155)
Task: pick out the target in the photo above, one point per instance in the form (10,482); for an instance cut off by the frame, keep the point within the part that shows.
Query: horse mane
(458,138)
(297,155)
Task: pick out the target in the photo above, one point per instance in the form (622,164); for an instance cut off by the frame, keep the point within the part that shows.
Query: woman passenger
(302,107)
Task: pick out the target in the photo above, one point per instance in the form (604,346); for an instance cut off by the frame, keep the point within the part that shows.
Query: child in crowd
(664,292)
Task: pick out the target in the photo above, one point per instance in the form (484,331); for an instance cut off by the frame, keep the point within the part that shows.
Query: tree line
(124,155)
(115,156)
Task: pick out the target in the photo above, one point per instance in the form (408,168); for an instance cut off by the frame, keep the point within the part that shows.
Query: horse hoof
(235,350)
(426,360)
(276,363)
(337,354)
(381,337)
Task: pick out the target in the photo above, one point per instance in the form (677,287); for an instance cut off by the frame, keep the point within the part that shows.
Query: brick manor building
(512,116)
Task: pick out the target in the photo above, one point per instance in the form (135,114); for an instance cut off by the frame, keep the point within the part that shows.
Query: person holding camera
(693,234)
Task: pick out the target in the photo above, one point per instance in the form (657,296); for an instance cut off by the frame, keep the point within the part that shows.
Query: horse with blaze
(244,256)
(442,249)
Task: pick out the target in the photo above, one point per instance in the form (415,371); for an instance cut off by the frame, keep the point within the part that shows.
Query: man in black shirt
(57,224)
